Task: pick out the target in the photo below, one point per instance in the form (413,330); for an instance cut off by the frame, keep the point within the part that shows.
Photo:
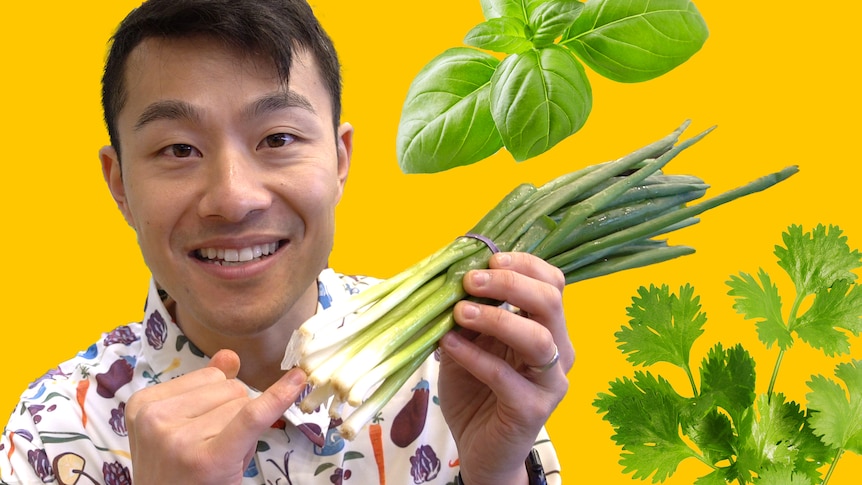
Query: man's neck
(260,367)
(261,353)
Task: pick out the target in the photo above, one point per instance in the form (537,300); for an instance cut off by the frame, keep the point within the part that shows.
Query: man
(228,158)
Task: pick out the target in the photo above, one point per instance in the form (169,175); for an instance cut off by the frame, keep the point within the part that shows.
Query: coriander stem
(702,459)
(791,320)
(794,310)
(774,374)
(694,390)
(832,467)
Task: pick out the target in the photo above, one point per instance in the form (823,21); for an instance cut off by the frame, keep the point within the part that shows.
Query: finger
(214,420)
(531,266)
(532,342)
(541,299)
(197,415)
(243,431)
(185,397)
(535,287)
(203,401)
(505,382)
(227,361)
(538,300)
(186,384)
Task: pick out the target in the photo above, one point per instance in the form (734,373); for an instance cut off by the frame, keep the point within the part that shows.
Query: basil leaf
(550,19)
(446,120)
(517,9)
(538,98)
(493,9)
(636,40)
(503,34)
(530,6)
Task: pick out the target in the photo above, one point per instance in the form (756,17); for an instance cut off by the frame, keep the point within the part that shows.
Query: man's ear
(344,146)
(113,174)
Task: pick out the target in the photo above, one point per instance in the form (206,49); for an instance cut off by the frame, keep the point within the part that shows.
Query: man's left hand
(500,377)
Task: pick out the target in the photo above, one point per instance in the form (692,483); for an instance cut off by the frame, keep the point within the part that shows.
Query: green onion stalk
(598,220)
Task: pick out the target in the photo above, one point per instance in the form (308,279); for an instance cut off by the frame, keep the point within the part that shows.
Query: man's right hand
(203,427)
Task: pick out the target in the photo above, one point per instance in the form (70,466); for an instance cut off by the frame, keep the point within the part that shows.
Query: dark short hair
(273,28)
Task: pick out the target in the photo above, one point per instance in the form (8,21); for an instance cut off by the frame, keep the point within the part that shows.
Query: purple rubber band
(488,242)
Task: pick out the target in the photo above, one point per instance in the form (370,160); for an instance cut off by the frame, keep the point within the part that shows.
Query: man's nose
(235,187)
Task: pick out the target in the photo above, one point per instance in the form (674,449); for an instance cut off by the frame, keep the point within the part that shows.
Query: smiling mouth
(237,256)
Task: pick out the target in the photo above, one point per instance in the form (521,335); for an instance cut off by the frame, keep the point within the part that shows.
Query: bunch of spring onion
(597,220)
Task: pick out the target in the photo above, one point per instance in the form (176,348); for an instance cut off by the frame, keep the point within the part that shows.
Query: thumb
(242,433)
(227,361)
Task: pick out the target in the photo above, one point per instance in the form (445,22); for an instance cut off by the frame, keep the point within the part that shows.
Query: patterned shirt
(70,423)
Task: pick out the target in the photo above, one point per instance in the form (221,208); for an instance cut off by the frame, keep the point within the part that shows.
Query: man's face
(230,181)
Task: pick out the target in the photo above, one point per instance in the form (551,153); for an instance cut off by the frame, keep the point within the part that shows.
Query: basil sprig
(466,103)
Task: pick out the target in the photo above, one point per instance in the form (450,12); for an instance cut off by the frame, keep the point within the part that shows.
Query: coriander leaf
(645,459)
(503,34)
(663,326)
(784,476)
(551,18)
(835,416)
(646,415)
(717,477)
(835,308)
(746,460)
(728,378)
(714,436)
(813,453)
(773,435)
(761,300)
(626,389)
(446,120)
(776,435)
(636,40)
(765,437)
(817,259)
(539,98)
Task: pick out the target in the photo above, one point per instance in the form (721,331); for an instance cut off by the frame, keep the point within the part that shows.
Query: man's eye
(277,140)
(180,150)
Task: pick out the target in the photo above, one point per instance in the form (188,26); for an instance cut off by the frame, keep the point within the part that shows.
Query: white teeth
(240,255)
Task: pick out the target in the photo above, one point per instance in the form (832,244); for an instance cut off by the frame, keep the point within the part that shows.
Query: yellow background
(778,78)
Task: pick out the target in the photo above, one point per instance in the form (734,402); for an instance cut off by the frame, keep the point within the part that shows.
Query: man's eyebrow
(167,110)
(278,101)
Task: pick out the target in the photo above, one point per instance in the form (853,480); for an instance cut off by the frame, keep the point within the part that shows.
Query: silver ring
(538,369)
